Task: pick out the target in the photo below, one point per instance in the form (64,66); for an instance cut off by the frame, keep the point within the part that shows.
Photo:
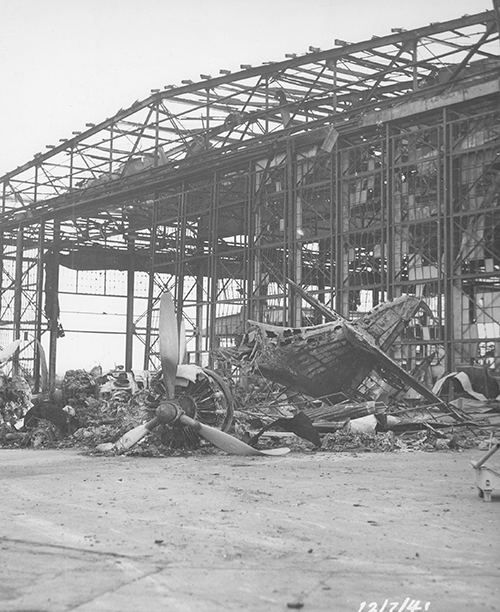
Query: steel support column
(252,227)
(213,272)
(151,287)
(200,294)
(199,318)
(449,330)
(39,307)
(248,232)
(181,255)
(289,237)
(18,294)
(292,248)
(2,245)
(54,308)
(129,332)
(341,260)
(441,221)
(388,251)
(152,245)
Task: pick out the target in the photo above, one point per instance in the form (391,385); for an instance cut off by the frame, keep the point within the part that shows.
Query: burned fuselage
(331,358)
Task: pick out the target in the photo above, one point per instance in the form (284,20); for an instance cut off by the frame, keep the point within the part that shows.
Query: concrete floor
(210,533)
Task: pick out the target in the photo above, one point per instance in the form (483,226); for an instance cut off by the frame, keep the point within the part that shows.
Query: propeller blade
(169,343)
(130,438)
(228,443)
(8,352)
(182,342)
(44,371)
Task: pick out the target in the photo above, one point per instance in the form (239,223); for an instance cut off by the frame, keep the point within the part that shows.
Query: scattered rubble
(77,386)
(15,399)
(83,416)
(332,386)
(338,375)
(88,411)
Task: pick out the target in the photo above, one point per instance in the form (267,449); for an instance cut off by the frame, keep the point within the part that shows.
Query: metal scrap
(473,382)
(336,358)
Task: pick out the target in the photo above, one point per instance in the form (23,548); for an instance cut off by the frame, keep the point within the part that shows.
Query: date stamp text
(407,605)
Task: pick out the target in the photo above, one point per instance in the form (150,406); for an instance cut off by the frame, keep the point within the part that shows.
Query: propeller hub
(168,412)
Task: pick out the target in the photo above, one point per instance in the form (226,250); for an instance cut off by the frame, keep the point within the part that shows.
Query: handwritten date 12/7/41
(408,605)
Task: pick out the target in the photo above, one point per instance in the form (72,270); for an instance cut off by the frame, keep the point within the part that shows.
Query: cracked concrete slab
(213,533)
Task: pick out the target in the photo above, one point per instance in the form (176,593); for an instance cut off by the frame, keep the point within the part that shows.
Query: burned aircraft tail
(386,321)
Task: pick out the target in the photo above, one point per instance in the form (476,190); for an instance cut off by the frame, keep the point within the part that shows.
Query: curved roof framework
(184,128)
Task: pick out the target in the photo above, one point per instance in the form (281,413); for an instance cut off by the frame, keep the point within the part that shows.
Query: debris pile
(345,440)
(397,424)
(15,399)
(44,435)
(104,420)
(82,416)
(77,386)
(339,375)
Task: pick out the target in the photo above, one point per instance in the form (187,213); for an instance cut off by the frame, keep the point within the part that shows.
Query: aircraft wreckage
(170,409)
(336,357)
(332,361)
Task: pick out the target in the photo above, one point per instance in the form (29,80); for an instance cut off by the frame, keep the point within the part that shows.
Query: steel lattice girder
(164,134)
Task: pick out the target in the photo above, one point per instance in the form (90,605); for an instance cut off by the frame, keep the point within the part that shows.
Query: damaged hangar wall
(408,206)
(388,185)
(401,206)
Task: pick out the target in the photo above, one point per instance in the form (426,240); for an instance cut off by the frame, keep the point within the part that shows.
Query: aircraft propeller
(169,411)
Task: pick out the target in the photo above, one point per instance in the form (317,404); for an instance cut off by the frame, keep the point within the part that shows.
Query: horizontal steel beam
(266,70)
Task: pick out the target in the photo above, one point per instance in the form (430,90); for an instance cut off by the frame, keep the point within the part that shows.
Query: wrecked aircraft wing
(337,356)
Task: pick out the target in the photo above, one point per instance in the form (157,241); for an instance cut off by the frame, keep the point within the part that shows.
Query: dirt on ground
(318,532)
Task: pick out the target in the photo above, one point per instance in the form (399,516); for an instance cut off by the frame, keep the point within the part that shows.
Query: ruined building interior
(362,173)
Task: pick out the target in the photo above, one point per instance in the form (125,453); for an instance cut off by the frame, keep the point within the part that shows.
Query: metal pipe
(480,462)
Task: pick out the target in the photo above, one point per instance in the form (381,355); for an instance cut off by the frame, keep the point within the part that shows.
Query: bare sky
(67,62)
